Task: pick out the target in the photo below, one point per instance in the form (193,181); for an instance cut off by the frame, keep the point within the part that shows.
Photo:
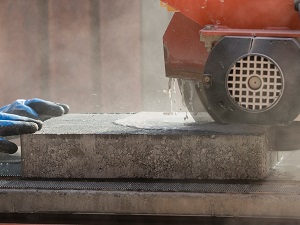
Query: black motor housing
(252,80)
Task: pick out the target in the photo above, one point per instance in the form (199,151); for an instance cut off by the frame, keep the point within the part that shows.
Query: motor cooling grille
(255,83)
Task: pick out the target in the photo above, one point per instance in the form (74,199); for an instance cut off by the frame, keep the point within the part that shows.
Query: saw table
(274,199)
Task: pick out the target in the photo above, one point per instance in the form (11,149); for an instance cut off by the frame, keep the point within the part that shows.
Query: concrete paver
(147,145)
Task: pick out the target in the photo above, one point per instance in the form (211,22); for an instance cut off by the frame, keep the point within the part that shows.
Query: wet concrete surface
(147,145)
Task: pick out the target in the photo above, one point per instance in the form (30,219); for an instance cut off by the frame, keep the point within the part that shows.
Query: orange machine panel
(239,14)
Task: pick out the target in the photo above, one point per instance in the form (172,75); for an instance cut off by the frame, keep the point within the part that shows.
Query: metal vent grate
(255,83)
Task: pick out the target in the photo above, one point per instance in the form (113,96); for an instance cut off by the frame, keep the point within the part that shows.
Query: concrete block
(147,145)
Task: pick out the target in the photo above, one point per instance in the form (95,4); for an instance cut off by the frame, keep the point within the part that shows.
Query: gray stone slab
(233,204)
(146,145)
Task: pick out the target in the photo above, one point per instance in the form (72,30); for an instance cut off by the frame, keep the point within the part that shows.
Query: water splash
(186,85)
(172,95)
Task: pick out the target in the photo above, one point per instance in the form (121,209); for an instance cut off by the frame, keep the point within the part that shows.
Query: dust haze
(95,55)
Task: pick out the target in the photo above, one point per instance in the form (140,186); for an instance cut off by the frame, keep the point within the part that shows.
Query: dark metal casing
(282,52)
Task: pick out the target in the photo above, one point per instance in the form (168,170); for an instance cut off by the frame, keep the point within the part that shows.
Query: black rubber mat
(157,186)
(11,169)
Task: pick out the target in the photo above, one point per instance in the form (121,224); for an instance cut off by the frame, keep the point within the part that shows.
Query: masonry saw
(240,59)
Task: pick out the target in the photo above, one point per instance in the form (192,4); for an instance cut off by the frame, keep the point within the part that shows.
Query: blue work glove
(15,125)
(35,108)
(25,116)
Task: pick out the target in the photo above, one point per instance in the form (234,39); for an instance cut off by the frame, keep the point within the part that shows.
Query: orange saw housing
(239,14)
(207,40)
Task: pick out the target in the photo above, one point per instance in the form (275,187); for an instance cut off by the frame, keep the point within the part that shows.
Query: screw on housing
(207,80)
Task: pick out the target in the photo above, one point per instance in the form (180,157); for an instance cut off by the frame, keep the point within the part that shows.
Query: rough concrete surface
(94,146)
(151,203)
